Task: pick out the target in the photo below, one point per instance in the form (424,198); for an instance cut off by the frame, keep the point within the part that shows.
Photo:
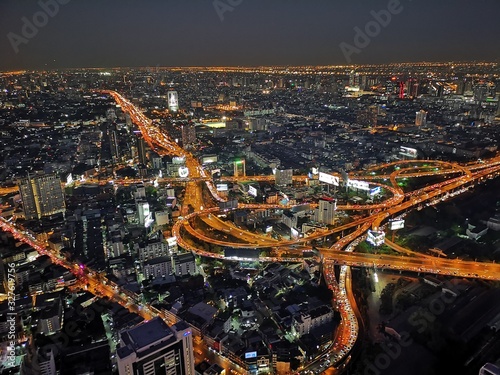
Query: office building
(158,268)
(114,145)
(325,213)
(188,135)
(144,213)
(283,177)
(154,348)
(239,168)
(46,362)
(184,264)
(142,151)
(42,196)
(173,101)
(421,118)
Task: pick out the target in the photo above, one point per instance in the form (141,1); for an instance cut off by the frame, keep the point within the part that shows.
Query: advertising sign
(396,224)
(329,179)
(361,185)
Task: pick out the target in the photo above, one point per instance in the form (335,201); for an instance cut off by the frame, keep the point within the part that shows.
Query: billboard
(252,191)
(376,190)
(376,238)
(360,185)
(178,160)
(183,172)
(407,151)
(222,187)
(250,355)
(328,179)
(206,159)
(396,224)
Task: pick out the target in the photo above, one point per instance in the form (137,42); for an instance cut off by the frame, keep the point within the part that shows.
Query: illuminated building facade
(42,196)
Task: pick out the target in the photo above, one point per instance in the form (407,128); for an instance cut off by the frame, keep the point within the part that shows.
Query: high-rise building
(173,101)
(188,135)
(114,145)
(283,177)
(325,213)
(42,196)
(141,151)
(421,118)
(144,213)
(154,348)
(354,79)
(46,362)
(239,168)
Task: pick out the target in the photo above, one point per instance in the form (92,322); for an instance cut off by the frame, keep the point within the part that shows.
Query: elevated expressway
(341,253)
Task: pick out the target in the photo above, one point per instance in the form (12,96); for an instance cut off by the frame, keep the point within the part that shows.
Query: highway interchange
(460,178)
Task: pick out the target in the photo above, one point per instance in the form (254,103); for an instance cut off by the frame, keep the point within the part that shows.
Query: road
(352,232)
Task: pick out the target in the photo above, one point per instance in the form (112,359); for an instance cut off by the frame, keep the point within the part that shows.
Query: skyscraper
(42,196)
(114,145)
(141,151)
(173,101)
(421,118)
(188,135)
(154,348)
(325,213)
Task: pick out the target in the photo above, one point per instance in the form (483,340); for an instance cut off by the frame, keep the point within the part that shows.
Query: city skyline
(64,34)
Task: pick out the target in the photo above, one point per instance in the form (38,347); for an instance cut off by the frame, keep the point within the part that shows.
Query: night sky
(108,33)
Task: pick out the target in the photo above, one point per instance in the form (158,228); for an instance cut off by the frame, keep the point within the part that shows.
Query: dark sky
(108,33)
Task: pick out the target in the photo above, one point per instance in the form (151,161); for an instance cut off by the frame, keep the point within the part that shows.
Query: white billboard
(407,151)
(222,187)
(183,172)
(396,224)
(357,184)
(178,160)
(252,191)
(329,179)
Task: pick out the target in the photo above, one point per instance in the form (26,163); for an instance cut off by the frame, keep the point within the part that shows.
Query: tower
(42,195)
(421,118)
(141,150)
(173,101)
(46,362)
(239,168)
(326,211)
(114,144)
(188,135)
(154,348)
